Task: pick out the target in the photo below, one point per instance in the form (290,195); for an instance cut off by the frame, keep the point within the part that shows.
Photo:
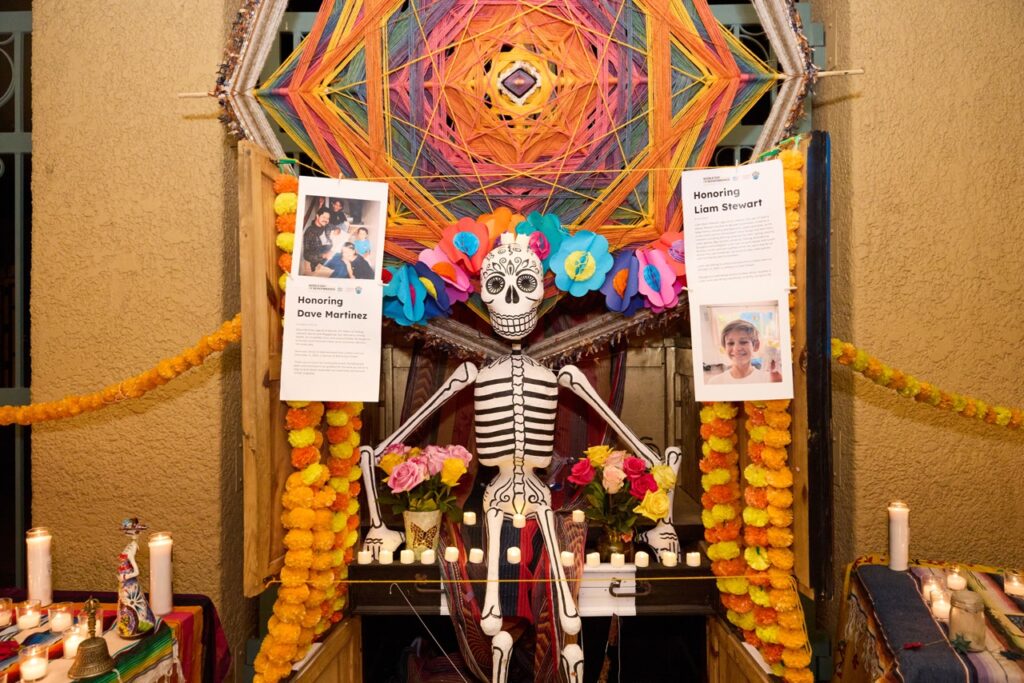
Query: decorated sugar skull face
(512,286)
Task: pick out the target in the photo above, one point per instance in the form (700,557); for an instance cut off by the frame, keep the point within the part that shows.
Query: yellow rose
(451,470)
(654,505)
(597,455)
(390,461)
(665,477)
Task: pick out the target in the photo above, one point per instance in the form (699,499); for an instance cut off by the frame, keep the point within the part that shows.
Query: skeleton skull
(512,286)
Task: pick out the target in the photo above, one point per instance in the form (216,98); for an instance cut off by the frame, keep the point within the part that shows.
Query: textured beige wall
(134,258)
(928,212)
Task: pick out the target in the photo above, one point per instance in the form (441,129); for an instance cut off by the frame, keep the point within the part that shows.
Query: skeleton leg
(572,663)
(501,647)
(568,615)
(662,536)
(490,614)
(379,537)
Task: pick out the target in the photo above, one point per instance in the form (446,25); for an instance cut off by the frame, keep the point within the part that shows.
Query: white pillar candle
(693,559)
(618,560)
(28,614)
(451,554)
(513,555)
(1013,584)
(669,559)
(927,586)
(899,535)
(518,520)
(364,557)
(33,662)
(593,559)
(386,556)
(955,580)
(407,556)
(568,559)
(60,617)
(469,518)
(579,516)
(476,555)
(641,558)
(74,637)
(37,560)
(161,597)
(428,556)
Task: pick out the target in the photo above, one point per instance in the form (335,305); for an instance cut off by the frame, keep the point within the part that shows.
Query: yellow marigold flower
(353,507)
(755,556)
(781,478)
(725,550)
(759,596)
(734,586)
(725,410)
(311,474)
(744,621)
(796,658)
(791,158)
(337,418)
(298,559)
(720,444)
(351,538)
(338,483)
(286,202)
(355,474)
(792,638)
(715,477)
(792,199)
(321,561)
(769,634)
(707,414)
(293,576)
(285,241)
(337,557)
(757,433)
(282,282)
(301,518)
(294,595)
(451,470)
(597,455)
(339,522)
(723,513)
(755,517)
(354,439)
(792,179)
(297,404)
(323,540)
(665,477)
(300,438)
(298,539)
(755,475)
(707,519)
(341,450)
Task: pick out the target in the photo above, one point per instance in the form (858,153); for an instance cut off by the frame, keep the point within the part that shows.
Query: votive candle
(6,612)
(518,520)
(60,617)
(899,535)
(593,559)
(428,556)
(669,559)
(161,597)
(451,554)
(929,584)
(364,557)
(618,560)
(74,637)
(941,603)
(955,580)
(476,555)
(641,558)
(33,660)
(579,516)
(469,518)
(513,555)
(407,556)
(386,556)
(28,614)
(1013,583)
(38,543)
(567,558)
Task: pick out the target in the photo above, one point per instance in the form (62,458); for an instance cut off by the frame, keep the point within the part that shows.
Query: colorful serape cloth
(888,632)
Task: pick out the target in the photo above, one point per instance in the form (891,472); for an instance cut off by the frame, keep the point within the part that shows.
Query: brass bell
(93,658)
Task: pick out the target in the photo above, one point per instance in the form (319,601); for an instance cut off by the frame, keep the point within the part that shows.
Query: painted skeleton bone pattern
(515,404)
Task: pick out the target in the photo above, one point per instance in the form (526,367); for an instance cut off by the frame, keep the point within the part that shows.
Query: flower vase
(421,530)
(612,541)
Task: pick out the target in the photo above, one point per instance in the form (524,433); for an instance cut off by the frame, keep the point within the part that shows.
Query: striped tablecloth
(173,652)
(887,632)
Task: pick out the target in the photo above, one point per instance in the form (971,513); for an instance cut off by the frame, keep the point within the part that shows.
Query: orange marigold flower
(755,450)
(793,619)
(779,537)
(784,600)
(297,418)
(338,434)
(705,431)
(724,493)
(737,603)
(758,578)
(318,439)
(733,567)
(285,222)
(764,616)
(304,457)
(780,578)
(751,638)
(756,496)
(774,458)
(349,554)
(286,182)
(754,535)
(356,423)
(778,419)
(352,523)
(757,416)
(354,488)
(780,498)
(284,262)
(777,438)
(772,652)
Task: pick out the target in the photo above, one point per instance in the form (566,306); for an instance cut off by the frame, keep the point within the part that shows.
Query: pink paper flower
(671,245)
(639,487)
(407,476)
(612,478)
(465,243)
(582,472)
(656,281)
(634,467)
(456,281)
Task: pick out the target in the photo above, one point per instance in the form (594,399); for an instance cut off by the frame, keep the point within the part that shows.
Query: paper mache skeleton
(515,404)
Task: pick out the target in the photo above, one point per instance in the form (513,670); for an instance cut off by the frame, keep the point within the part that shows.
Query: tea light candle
(618,560)
(927,586)
(476,556)
(469,518)
(693,559)
(60,617)
(33,661)
(74,637)
(6,612)
(28,614)
(161,598)
(567,558)
(669,559)
(428,556)
(593,559)
(955,580)
(518,520)
(1013,583)
(451,554)
(899,535)
(641,558)
(407,556)
(364,557)
(386,556)
(941,604)
(513,555)
(37,560)
(579,516)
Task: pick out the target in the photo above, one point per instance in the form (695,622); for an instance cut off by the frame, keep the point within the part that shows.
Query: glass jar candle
(928,585)
(60,616)
(1013,583)
(33,660)
(967,619)
(74,637)
(28,614)
(6,612)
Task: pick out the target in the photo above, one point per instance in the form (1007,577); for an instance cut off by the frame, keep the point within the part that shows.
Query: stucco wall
(134,258)
(928,213)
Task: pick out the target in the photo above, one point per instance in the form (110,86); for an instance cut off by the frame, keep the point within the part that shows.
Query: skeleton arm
(379,537)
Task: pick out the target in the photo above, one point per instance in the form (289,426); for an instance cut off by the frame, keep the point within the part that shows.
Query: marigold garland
(909,386)
(133,387)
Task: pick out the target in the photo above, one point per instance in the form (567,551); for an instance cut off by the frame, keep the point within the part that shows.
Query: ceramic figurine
(134,617)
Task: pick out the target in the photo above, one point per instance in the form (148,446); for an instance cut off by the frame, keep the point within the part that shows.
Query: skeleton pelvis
(516,490)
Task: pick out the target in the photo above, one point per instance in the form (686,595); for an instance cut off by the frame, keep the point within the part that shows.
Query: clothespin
(282,163)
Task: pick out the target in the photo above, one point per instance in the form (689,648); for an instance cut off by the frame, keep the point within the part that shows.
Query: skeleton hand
(661,537)
(382,538)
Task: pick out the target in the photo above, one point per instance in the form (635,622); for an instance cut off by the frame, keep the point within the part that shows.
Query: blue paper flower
(405,296)
(581,263)
(546,235)
(620,286)
(437,302)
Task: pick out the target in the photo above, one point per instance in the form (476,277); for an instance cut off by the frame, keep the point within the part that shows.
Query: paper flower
(620,286)
(501,220)
(656,281)
(466,243)
(456,280)
(546,235)
(581,263)
(404,297)
(437,302)
(670,244)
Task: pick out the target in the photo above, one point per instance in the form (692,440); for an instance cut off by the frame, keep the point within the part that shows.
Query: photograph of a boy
(740,344)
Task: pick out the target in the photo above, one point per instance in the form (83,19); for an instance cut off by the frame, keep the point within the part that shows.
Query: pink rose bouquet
(421,480)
